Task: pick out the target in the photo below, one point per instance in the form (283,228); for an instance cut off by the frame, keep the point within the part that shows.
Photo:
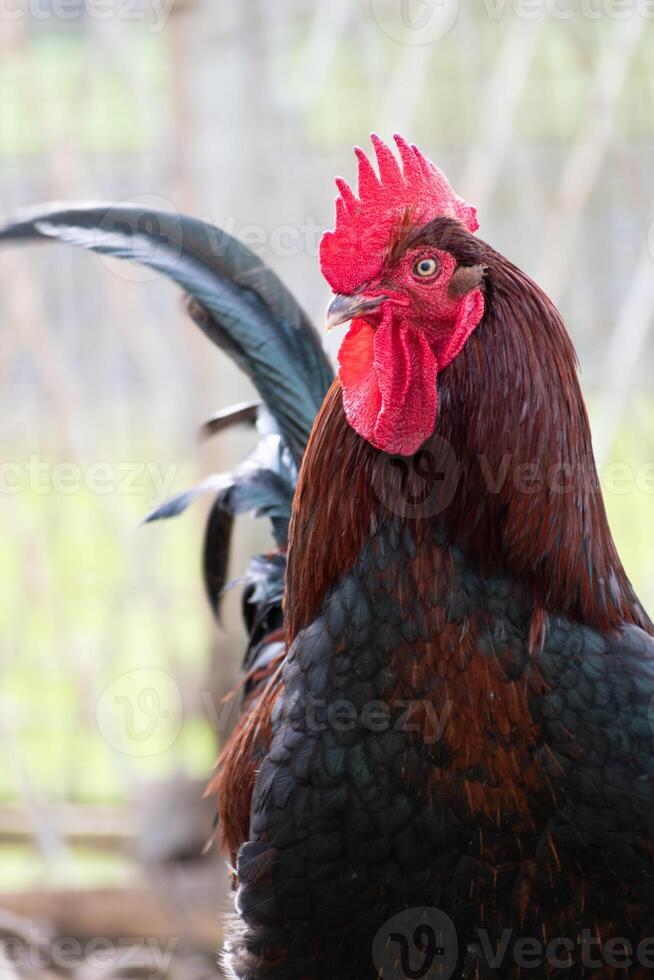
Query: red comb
(353,253)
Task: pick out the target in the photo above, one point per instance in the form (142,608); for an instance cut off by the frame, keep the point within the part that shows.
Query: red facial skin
(390,358)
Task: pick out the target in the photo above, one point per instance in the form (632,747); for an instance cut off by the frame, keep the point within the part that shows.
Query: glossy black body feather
(349,825)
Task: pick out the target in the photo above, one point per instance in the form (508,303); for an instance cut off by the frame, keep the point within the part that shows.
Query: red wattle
(389,376)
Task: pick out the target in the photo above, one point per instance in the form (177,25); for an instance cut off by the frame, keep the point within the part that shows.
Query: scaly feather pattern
(507,780)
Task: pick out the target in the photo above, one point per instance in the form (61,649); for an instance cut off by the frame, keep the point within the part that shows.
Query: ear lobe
(470,312)
(464,279)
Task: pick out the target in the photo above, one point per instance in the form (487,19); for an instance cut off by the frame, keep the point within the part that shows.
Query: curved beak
(344,308)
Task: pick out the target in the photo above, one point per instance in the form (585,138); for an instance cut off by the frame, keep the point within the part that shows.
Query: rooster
(445,760)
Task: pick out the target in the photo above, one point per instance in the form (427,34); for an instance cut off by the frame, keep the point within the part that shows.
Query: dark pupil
(425,266)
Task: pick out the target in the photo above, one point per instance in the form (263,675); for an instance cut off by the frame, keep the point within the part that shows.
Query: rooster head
(412,305)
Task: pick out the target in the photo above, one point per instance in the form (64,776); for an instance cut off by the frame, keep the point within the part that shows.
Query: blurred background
(112,676)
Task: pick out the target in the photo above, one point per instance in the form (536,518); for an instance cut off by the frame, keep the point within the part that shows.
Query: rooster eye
(426,268)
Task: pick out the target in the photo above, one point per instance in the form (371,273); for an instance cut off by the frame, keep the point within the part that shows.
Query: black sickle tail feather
(262,484)
(236,299)
(244,308)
